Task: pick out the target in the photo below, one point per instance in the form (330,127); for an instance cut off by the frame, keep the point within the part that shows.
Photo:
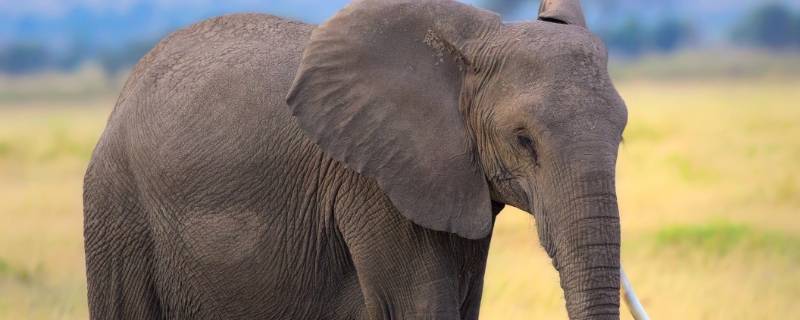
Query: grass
(86,82)
(708,182)
(43,153)
(720,237)
(722,64)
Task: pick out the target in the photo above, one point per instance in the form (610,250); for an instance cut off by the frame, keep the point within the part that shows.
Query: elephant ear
(378,89)
(562,11)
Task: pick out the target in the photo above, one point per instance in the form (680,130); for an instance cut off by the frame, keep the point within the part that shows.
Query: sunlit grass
(712,64)
(720,237)
(43,152)
(708,182)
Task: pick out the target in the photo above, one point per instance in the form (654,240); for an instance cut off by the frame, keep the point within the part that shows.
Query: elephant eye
(526,143)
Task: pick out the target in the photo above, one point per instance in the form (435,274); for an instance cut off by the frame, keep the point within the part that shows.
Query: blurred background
(708,177)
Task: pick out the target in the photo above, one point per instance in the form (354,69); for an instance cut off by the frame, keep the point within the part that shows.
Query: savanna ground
(708,182)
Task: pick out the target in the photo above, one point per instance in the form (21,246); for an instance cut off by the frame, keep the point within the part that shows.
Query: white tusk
(630,298)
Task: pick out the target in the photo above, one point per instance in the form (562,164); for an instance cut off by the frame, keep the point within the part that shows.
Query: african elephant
(257,167)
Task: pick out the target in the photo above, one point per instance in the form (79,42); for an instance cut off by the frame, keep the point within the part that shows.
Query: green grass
(708,185)
(717,237)
(721,237)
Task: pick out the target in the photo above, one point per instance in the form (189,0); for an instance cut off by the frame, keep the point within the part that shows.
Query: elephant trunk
(586,243)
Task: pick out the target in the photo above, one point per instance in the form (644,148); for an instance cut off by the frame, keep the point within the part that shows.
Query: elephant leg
(409,272)
(118,250)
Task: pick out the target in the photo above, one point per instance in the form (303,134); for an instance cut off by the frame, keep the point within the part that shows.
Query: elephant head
(449,109)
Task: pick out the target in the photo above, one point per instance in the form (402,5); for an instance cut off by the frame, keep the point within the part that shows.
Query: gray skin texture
(370,190)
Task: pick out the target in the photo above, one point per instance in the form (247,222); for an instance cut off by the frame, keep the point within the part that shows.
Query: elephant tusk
(630,298)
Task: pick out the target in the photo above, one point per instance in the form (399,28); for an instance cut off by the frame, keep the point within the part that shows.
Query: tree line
(30,57)
(772,26)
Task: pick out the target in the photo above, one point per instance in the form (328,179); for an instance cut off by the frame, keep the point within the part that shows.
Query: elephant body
(261,168)
(205,200)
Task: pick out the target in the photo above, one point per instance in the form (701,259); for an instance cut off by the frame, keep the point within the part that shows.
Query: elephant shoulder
(209,85)
(267,43)
(227,62)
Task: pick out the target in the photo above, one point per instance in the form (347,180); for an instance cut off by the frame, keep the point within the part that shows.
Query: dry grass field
(708,182)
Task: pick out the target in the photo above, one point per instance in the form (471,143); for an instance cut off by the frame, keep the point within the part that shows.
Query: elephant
(259,167)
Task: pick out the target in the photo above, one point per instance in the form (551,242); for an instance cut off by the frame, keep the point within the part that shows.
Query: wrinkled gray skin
(370,192)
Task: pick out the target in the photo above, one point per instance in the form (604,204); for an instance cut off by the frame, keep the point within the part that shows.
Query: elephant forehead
(537,42)
(588,103)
